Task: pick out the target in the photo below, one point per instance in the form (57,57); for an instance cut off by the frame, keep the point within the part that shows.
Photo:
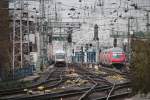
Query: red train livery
(112,57)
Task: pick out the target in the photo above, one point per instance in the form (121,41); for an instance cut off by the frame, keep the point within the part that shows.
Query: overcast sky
(113,12)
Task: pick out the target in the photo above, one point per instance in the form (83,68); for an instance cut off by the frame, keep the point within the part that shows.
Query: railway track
(50,81)
(80,94)
(108,71)
(95,88)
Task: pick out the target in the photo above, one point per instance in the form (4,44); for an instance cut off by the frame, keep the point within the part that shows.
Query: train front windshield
(60,56)
(117,53)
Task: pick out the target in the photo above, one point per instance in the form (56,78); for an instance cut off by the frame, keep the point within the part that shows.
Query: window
(60,56)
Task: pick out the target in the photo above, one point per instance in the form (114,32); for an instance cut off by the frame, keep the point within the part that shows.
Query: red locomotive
(113,57)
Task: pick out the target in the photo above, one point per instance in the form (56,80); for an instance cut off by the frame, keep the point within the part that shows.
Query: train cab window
(116,55)
(60,56)
(117,52)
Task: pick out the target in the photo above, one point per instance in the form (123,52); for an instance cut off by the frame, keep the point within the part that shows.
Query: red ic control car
(113,57)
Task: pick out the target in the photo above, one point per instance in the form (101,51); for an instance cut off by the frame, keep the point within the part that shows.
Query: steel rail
(110,91)
(67,93)
(114,96)
(112,70)
(58,83)
(83,92)
(95,76)
(90,90)
(21,90)
(56,95)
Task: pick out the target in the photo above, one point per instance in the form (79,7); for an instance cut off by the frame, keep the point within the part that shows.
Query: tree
(4,39)
(140,66)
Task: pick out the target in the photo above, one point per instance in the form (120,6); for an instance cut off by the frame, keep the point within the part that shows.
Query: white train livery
(60,58)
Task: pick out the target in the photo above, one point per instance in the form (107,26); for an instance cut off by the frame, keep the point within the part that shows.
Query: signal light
(69,38)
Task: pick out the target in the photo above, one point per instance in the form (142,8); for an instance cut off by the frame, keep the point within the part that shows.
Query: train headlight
(41,88)
(25,90)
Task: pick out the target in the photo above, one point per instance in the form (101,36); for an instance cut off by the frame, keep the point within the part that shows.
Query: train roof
(60,51)
(118,49)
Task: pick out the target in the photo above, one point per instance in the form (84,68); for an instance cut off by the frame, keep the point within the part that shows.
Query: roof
(60,51)
(113,49)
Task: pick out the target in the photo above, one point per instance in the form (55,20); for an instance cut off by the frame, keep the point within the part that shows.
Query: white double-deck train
(60,58)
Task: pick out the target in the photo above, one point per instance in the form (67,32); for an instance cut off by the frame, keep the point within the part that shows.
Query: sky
(113,14)
(107,14)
